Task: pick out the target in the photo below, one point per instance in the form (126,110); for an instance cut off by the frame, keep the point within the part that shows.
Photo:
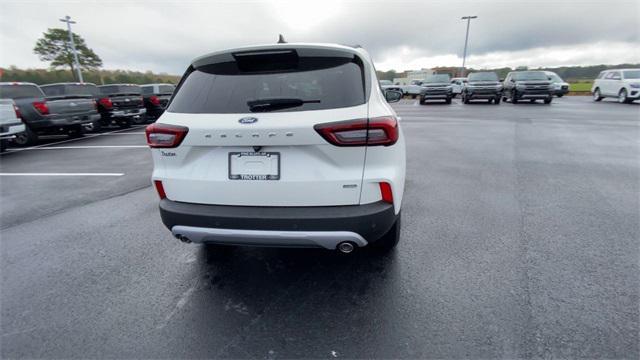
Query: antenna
(281,39)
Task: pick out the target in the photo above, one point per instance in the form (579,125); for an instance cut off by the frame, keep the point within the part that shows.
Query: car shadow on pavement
(287,292)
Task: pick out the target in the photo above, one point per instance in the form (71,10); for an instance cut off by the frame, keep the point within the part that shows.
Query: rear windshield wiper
(276,104)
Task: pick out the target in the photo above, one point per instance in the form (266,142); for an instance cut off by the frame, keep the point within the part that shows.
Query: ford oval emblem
(248,120)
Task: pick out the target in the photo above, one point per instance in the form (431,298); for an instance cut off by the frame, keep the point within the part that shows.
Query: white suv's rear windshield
(314,84)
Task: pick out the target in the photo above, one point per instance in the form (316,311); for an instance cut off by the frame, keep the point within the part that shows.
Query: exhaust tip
(346,247)
(182,238)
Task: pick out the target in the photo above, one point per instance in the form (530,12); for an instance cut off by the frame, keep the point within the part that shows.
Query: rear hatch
(74,105)
(251,138)
(123,96)
(7,112)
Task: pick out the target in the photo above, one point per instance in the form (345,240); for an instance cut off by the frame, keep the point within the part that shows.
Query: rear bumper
(62,121)
(127,113)
(324,226)
(8,131)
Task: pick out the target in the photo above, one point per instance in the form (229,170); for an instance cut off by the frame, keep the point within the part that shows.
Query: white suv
(623,84)
(290,145)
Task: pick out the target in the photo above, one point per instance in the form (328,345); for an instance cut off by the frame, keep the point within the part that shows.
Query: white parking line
(61,174)
(91,147)
(69,140)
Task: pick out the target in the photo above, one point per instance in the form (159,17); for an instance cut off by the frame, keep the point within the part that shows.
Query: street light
(68,20)
(466,40)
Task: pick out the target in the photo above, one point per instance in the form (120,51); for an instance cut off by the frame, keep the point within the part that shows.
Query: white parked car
(414,89)
(10,122)
(388,85)
(291,145)
(457,84)
(623,84)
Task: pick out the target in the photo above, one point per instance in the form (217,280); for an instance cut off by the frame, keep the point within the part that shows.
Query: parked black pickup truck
(43,115)
(121,104)
(482,85)
(527,85)
(156,97)
(69,90)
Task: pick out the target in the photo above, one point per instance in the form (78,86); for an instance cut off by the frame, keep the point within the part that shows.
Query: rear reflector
(164,135)
(360,132)
(160,189)
(385,191)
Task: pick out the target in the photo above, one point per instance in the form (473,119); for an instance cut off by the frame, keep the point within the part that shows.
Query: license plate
(254,165)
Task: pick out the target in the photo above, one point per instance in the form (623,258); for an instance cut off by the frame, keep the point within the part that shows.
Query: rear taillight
(360,132)
(17,110)
(42,107)
(385,191)
(165,136)
(105,103)
(154,100)
(160,189)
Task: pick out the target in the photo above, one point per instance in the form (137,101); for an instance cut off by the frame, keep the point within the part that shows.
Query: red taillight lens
(165,136)
(42,107)
(105,103)
(160,189)
(360,132)
(385,191)
(154,100)
(17,110)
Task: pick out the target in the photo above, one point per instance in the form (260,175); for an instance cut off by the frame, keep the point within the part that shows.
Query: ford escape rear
(290,145)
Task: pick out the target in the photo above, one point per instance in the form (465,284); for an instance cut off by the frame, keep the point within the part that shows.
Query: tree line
(98,77)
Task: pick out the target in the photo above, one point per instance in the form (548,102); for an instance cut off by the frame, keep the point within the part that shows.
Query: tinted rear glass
(483,76)
(20,91)
(228,87)
(70,89)
(147,90)
(166,89)
(120,89)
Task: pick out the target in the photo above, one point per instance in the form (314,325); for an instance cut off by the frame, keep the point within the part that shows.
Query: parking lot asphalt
(520,239)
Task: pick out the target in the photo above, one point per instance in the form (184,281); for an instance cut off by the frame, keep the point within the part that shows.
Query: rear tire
(76,132)
(124,124)
(3,146)
(448,101)
(514,97)
(422,102)
(496,101)
(548,100)
(465,99)
(414,96)
(560,95)
(389,240)
(26,138)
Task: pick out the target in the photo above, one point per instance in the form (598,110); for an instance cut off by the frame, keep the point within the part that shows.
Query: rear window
(147,90)
(120,89)
(166,89)
(70,89)
(20,91)
(226,88)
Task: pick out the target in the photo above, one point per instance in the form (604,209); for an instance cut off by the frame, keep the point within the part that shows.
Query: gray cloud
(166,35)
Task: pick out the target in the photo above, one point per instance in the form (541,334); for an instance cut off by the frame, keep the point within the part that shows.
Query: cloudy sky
(163,36)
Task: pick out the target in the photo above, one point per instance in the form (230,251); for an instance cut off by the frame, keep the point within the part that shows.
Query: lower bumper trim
(324,239)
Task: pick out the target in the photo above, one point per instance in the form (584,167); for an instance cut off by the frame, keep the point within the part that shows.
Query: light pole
(466,40)
(67,19)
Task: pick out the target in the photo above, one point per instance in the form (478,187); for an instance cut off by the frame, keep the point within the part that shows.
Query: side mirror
(392,96)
